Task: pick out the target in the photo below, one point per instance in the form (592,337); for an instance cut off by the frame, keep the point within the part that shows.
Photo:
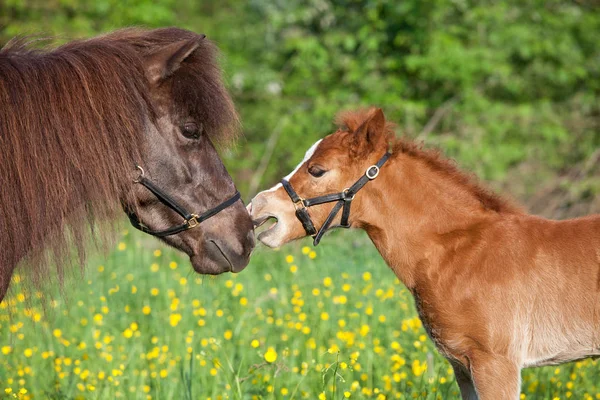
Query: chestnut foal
(496,289)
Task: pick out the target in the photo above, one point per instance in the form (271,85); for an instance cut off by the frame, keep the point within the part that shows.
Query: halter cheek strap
(190,220)
(343,198)
(301,211)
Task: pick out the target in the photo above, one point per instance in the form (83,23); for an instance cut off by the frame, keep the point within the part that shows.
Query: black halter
(344,199)
(190,220)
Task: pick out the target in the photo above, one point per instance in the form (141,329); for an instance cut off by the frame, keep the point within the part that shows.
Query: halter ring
(372,176)
(345,191)
(139,178)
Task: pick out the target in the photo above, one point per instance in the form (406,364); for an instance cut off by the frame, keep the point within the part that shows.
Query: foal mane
(434,159)
(72,123)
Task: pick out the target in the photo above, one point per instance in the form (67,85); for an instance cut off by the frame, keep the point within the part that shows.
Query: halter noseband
(344,199)
(190,220)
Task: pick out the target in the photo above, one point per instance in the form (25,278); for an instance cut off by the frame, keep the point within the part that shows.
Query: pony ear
(371,134)
(164,62)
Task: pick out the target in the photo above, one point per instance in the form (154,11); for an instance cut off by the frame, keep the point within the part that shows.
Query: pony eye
(191,130)
(316,171)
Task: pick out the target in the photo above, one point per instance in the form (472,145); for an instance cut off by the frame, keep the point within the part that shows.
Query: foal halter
(190,220)
(343,198)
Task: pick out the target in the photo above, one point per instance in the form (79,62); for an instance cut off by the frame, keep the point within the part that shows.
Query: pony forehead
(197,87)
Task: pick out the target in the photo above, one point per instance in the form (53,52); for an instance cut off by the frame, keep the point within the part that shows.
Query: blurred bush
(509,88)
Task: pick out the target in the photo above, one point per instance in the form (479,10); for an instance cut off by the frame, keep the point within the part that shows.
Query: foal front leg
(495,377)
(464,381)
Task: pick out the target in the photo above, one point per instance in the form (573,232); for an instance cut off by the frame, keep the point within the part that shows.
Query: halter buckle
(192,222)
(299,204)
(374,175)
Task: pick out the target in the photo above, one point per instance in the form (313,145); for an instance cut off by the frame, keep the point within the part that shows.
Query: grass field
(319,323)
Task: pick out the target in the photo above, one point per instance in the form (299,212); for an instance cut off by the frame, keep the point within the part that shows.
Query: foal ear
(371,134)
(164,62)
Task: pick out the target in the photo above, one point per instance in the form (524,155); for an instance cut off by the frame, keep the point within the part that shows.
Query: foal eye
(316,171)
(191,130)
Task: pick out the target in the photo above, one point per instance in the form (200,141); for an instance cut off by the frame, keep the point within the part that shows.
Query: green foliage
(496,84)
(519,79)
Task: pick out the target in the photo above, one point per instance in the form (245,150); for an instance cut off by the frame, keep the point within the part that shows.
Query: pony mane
(434,159)
(72,123)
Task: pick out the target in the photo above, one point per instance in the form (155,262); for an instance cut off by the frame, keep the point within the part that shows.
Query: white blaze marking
(309,153)
(274,188)
(307,156)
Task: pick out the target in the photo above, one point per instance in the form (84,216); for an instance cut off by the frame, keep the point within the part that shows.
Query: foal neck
(412,208)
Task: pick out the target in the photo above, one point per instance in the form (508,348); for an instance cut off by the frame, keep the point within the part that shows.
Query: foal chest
(435,332)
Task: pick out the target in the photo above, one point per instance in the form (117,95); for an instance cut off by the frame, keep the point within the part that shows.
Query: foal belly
(557,348)
(563,357)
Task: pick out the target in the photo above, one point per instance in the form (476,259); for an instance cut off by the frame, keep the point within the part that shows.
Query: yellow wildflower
(270,355)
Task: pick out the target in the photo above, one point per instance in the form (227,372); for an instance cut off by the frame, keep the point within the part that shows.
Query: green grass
(141,324)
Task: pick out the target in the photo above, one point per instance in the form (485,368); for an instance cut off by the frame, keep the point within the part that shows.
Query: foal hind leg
(495,377)
(464,381)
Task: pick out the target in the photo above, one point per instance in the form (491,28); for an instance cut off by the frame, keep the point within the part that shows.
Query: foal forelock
(72,122)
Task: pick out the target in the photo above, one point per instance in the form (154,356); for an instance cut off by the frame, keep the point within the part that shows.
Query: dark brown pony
(496,289)
(77,120)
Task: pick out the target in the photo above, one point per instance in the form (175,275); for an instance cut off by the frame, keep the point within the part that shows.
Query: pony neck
(411,206)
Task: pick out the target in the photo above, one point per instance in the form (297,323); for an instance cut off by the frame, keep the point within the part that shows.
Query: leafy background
(508,88)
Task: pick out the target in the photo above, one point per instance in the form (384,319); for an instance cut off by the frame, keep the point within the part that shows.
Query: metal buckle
(141,174)
(345,191)
(373,176)
(192,222)
(301,201)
